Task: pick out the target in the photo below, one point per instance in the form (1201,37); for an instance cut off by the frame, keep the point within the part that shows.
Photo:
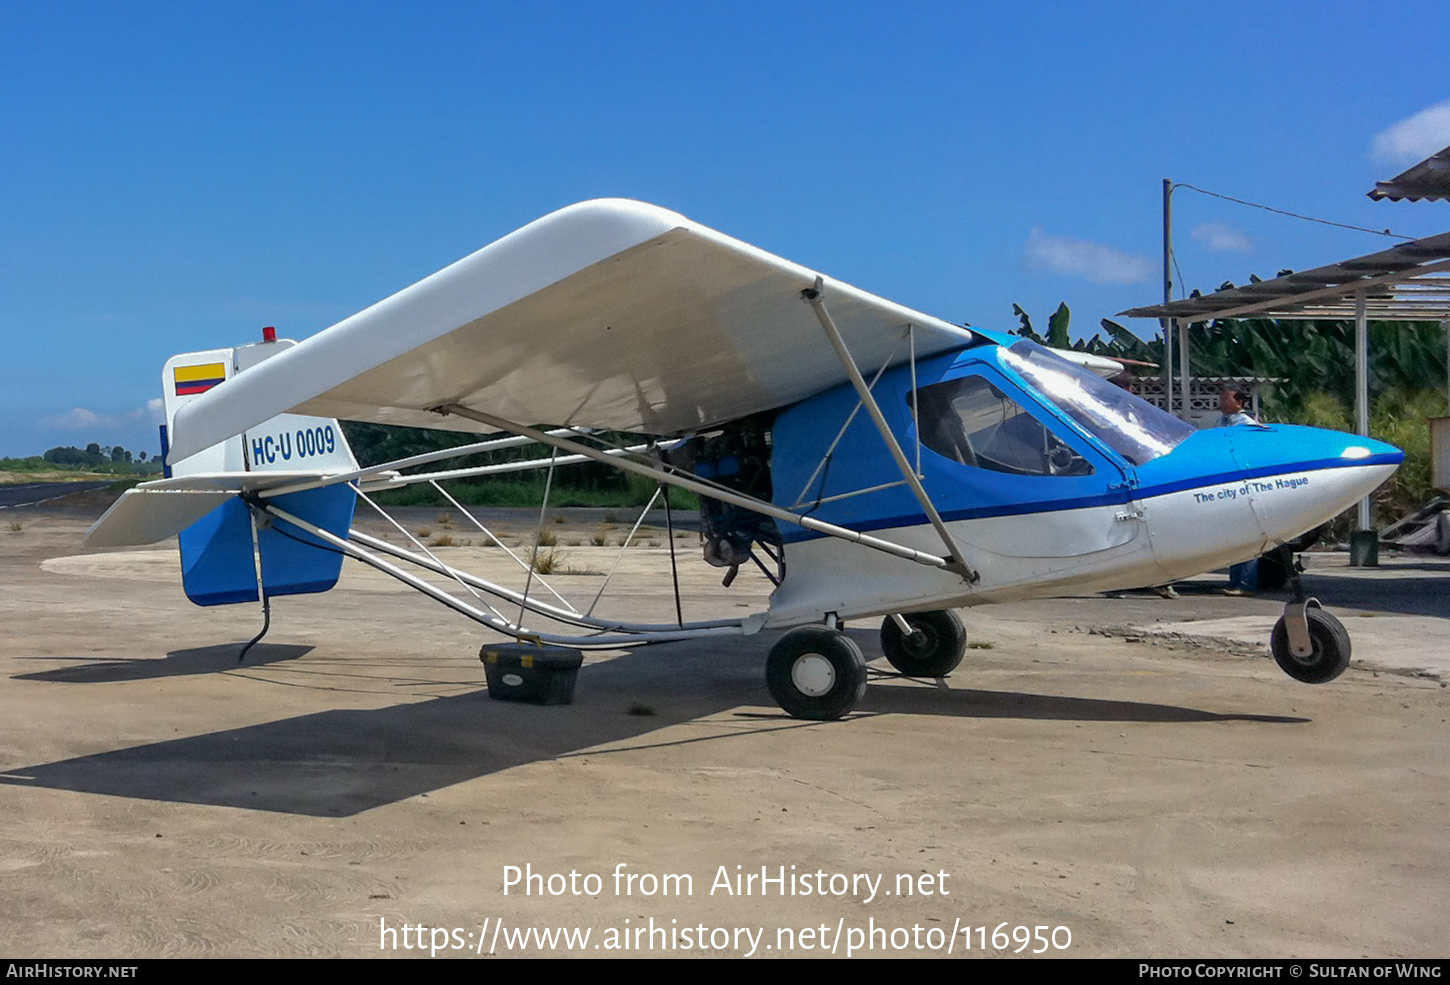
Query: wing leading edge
(609,314)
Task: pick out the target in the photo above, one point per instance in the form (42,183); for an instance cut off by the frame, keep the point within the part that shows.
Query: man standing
(1242,577)
(1231,404)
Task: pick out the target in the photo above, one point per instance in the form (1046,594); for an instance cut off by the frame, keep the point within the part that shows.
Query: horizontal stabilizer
(156,510)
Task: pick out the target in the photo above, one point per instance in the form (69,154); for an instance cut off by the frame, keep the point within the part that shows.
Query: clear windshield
(1126,423)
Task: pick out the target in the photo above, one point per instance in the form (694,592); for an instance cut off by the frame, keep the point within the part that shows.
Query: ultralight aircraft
(873,461)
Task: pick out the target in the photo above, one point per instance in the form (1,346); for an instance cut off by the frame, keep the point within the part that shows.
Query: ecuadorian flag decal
(199,379)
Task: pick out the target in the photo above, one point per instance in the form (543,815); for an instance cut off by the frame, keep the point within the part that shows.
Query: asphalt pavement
(35,493)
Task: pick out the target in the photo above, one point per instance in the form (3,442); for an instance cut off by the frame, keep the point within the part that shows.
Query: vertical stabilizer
(183,379)
(224,555)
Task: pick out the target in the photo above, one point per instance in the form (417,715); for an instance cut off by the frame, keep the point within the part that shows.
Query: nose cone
(1299,477)
(1227,494)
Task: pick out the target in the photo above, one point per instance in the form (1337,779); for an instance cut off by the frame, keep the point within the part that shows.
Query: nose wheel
(1309,644)
(816,673)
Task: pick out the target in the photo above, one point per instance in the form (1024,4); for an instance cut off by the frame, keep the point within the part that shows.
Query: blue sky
(177,175)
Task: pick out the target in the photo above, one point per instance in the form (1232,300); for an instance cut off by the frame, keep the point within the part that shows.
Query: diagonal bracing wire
(494,537)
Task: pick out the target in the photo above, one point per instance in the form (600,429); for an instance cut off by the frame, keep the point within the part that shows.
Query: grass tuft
(547,562)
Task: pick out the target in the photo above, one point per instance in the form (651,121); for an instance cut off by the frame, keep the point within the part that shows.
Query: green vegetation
(1315,360)
(509,491)
(94,459)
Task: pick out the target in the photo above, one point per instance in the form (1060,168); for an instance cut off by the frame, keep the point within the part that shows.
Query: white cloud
(1216,236)
(1415,138)
(75,419)
(80,418)
(1081,258)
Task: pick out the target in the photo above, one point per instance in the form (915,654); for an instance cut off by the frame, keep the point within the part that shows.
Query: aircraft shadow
(969,703)
(342,762)
(177,663)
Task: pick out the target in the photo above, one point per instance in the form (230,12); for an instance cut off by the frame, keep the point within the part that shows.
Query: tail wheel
(933,648)
(816,673)
(1331,649)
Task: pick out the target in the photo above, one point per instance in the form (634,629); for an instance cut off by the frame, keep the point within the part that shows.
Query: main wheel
(816,673)
(935,646)
(1331,649)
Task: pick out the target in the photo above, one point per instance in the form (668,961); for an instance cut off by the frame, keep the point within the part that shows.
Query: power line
(1293,215)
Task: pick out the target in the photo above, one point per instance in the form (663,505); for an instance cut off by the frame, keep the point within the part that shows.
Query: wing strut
(702,488)
(957,563)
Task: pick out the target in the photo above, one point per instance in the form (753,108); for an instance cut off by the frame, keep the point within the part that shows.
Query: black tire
(934,650)
(816,673)
(1331,649)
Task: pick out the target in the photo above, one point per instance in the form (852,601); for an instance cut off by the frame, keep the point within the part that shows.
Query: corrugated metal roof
(1409,282)
(1429,180)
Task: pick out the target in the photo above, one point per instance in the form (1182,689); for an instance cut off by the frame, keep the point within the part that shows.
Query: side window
(972,422)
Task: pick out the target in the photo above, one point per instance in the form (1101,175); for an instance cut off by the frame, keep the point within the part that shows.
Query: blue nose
(1300,477)
(1275,449)
(1227,494)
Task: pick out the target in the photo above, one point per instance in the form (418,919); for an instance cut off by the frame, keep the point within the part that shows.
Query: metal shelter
(1429,180)
(1408,282)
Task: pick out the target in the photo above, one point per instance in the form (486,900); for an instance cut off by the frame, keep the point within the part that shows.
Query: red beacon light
(269,334)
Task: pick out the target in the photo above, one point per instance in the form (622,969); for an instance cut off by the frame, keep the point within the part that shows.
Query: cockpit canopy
(1126,423)
(990,429)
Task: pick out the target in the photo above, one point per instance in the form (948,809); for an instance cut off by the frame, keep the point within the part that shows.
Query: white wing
(609,314)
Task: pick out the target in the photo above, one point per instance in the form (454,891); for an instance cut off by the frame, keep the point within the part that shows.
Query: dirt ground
(1096,795)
